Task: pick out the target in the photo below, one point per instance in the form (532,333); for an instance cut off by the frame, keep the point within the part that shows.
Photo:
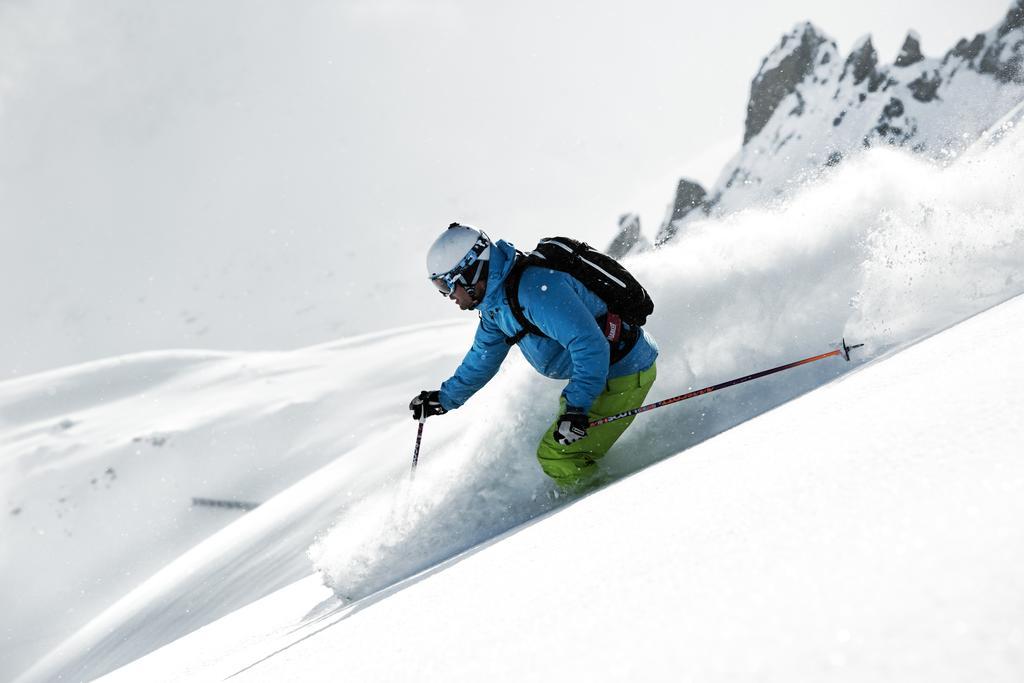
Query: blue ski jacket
(563,309)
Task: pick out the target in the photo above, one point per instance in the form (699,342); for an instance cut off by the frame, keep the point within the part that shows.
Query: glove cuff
(576,416)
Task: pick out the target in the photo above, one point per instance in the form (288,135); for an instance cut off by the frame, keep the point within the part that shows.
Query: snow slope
(101,462)
(870,530)
(108,560)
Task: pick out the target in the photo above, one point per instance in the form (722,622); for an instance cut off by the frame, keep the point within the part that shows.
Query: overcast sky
(145,146)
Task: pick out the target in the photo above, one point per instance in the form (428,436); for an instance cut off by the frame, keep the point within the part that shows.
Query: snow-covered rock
(629,238)
(810,109)
(690,195)
(910,53)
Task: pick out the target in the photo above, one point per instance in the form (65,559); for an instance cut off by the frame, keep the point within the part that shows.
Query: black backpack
(600,273)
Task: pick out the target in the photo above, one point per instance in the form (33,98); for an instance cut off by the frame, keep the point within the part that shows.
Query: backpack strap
(621,338)
(512,294)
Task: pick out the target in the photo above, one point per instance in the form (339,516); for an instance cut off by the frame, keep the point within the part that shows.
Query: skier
(568,341)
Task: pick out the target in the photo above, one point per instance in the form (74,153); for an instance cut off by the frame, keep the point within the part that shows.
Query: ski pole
(419,439)
(844,352)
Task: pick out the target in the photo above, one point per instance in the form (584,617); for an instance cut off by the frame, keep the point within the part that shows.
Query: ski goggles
(446,282)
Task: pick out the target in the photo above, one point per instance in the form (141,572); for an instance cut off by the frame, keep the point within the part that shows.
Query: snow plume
(477,477)
(883,250)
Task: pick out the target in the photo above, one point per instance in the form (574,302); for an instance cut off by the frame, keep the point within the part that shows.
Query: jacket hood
(502,258)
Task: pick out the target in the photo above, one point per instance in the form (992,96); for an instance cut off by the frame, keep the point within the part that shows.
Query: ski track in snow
(885,250)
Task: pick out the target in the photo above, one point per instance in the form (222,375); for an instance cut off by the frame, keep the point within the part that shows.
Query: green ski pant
(574,465)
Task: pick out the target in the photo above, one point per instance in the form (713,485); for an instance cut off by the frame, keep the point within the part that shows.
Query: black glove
(426,404)
(572,426)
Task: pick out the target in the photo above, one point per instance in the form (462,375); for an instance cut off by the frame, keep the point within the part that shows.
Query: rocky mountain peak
(910,53)
(862,64)
(1014,19)
(781,71)
(629,238)
(690,195)
(810,109)
(998,53)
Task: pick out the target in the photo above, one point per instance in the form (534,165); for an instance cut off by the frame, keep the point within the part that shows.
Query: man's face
(461,297)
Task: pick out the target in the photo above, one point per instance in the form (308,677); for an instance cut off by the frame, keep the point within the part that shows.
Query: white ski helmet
(459,255)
